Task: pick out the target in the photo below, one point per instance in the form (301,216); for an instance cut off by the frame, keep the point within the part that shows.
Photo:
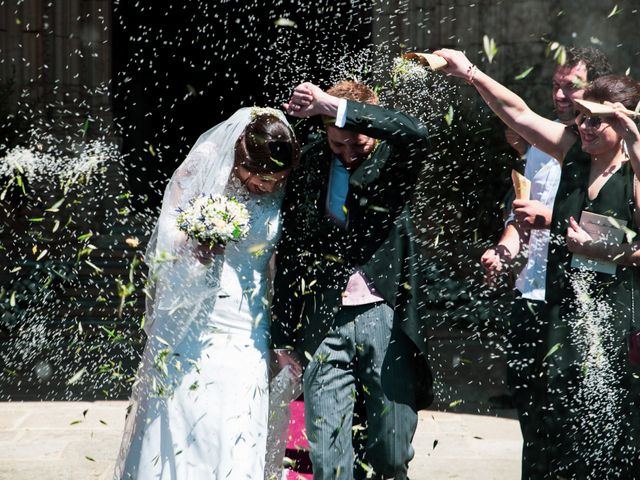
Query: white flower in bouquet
(214,219)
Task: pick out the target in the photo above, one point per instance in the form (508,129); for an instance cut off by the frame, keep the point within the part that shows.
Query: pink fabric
(297,437)
(297,444)
(359,291)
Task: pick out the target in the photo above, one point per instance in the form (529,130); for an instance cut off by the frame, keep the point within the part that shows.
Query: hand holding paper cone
(521,185)
(435,62)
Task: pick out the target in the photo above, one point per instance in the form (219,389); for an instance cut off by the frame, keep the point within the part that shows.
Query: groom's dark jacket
(315,257)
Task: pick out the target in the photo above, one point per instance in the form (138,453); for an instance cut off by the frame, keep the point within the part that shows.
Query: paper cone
(434,62)
(521,185)
(594,108)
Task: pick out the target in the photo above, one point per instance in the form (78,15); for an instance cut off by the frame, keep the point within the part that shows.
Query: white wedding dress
(199,408)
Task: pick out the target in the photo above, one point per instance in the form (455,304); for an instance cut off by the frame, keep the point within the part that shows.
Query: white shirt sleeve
(341,116)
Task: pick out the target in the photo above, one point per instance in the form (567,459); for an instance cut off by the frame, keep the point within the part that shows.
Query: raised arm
(550,137)
(628,130)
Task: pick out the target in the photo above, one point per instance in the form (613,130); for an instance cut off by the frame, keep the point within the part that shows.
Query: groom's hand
(308,100)
(281,358)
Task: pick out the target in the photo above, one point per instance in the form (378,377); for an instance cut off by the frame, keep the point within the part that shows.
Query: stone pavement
(79,441)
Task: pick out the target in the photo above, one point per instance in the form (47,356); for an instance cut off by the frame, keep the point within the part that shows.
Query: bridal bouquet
(214,220)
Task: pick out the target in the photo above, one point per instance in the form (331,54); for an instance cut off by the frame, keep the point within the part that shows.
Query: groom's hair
(356,91)
(350,90)
(267,145)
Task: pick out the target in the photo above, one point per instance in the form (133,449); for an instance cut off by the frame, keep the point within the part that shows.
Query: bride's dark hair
(267,145)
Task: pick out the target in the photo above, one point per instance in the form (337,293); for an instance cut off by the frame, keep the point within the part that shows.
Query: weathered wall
(519,28)
(59,54)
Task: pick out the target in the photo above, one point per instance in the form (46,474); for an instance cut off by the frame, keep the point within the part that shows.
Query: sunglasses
(591,122)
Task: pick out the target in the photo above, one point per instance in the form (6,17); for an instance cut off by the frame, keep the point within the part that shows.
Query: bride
(200,403)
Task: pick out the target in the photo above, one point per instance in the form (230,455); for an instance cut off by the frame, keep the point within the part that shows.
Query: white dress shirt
(544,173)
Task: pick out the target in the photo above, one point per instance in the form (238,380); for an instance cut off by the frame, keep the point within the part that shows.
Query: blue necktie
(338,189)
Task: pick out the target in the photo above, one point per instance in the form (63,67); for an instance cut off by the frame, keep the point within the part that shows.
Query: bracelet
(471,72)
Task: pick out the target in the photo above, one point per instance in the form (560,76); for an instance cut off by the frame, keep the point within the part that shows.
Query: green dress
(589,391)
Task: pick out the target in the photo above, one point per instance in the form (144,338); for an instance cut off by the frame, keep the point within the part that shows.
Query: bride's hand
(205,254)
(458,64)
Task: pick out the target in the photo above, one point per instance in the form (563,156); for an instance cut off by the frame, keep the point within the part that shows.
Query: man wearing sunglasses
(529,224)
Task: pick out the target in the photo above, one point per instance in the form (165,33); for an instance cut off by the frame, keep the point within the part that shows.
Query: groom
(348,285)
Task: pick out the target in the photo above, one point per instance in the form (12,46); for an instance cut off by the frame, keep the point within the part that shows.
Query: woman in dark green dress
(586,393)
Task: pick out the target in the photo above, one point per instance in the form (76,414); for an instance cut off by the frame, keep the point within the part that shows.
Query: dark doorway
(182,67)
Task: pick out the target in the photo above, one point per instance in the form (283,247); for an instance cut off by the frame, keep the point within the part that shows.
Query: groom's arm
(392,126)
